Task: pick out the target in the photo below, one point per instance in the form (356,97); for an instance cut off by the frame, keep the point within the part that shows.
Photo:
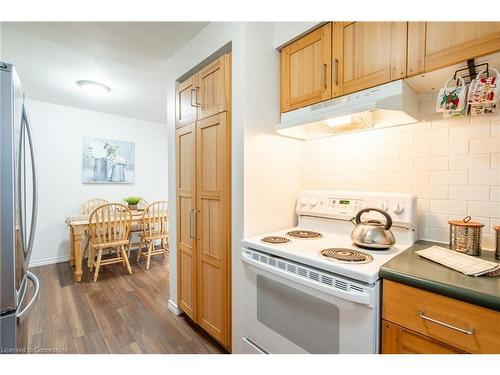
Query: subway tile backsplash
(453,166)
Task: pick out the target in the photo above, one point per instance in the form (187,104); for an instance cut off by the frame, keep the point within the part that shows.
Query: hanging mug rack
(471,69)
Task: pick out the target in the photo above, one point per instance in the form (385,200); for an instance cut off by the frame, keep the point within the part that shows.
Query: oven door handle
(361,298)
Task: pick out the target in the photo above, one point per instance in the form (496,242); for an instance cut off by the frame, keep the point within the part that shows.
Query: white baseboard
(172,306)
(43,262)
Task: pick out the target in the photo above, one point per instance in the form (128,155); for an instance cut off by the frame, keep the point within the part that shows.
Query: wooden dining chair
(154,228)
(86,208)
(109,227)
(136,228)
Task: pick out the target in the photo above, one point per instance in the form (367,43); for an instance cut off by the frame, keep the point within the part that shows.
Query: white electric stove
(309,289)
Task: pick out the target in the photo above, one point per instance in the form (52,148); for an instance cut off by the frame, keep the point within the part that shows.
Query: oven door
(288,312)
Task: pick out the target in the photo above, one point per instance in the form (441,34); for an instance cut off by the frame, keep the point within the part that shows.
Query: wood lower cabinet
(367,54)
(434,45)
(306,69)
(203,160)
(398,340)
(424,322)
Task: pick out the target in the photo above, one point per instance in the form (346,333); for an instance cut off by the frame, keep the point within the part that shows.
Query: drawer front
(397,340)
(462,325)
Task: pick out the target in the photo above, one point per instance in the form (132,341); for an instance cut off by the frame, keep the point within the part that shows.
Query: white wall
(284,32)
(273,164)
(266,182)
(58,132)
(453,166)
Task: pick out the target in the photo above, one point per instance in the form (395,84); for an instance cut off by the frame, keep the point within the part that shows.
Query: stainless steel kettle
(373,234)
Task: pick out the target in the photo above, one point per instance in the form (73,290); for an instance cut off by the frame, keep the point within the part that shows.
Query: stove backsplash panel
(452,165)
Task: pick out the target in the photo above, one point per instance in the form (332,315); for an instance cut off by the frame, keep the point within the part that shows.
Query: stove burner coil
(304,234)
(346,255)
(275,239)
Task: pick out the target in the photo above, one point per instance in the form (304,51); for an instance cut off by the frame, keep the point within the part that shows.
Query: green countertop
(411,269)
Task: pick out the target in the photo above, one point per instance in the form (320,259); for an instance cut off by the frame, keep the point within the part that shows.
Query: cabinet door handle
(196,211)
(190,212)
(336,71)
(193,90)
(196,104)
(466,331)
(323,76)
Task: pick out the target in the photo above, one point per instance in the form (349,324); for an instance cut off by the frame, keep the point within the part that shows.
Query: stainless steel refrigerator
(18,208)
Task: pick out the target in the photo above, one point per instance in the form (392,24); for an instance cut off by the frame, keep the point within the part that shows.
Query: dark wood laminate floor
(120,313)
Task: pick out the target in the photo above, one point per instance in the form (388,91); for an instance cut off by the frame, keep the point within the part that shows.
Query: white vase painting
(108,161)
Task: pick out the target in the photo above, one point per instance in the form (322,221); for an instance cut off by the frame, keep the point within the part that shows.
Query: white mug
(452,99)
(483,94)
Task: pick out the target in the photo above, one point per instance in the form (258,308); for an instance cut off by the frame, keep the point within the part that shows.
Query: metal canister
(100,169)
(497,249)
(118,172)
(465,236)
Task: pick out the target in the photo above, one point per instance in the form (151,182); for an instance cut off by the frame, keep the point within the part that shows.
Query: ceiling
(129,57)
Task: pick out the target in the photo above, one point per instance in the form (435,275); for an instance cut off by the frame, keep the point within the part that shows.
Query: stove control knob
(313,202)
(304,201)
(383,205)
(397,208)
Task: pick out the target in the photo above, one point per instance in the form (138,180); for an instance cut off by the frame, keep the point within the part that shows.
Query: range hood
(391,104)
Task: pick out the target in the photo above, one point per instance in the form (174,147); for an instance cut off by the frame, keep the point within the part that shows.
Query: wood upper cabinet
(345,57)
(213,221)
(212,88)
(186,256)
(434,45)
(185,112)
(366,54)
(306,69)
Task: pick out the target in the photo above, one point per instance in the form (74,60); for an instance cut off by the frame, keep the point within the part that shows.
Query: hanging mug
(456,114)
(483,93)
(452,99)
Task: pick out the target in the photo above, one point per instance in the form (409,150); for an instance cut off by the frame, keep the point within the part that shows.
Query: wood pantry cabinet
(213,90)
(186,106)
(434,45)
(203,165)
(418,321)
(186,257)
(205,93)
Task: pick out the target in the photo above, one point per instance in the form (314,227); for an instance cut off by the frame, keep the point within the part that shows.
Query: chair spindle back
(109,223)
(155,219)
(87,207)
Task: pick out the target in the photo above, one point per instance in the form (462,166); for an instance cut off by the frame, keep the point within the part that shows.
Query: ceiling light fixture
(93,88)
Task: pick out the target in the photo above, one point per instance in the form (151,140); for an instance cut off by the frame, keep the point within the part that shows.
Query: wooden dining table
(78,225)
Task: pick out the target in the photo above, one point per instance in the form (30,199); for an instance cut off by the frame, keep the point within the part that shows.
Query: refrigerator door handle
(36,284)
(21,200)
(34,215)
